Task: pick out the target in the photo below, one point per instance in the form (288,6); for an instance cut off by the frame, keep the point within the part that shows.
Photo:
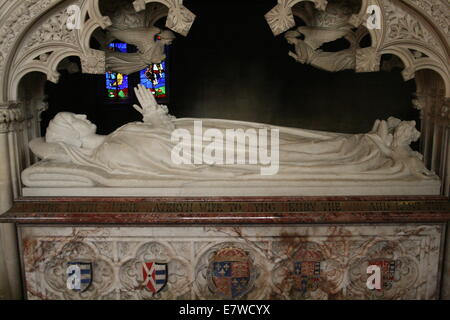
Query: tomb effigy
(141,155)
(204,208)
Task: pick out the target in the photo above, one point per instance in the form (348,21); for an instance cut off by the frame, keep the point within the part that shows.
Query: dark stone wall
(231,66)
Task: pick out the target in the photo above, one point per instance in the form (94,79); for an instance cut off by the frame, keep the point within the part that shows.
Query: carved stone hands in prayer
(152,112)
(146,99)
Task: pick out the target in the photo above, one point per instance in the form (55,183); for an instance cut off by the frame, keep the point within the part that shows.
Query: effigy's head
(406,133)
(69,128)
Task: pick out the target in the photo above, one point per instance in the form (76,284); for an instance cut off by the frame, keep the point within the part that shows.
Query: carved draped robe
(139,155)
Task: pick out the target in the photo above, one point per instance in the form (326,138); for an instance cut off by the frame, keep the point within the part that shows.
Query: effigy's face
(82,125)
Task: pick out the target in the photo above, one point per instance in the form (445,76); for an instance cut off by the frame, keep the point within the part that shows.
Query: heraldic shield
(155,276)
(388,272)
(306,273)
(79,276)
(230,270)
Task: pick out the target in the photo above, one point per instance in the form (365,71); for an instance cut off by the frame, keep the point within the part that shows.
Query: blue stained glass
(117,83)
(154,79)
(116,80)
(119,47)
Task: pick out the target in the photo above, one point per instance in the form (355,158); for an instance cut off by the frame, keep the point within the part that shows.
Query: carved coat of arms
(388,274)
(155,276)
(230,271)
(79,276)
(306,271)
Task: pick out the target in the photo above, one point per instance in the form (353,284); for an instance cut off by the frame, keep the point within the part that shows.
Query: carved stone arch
(302,15)
(433,65)
(179,19)
(22,73)
(429,64)
(86,33)
(425,58)
(408,61)
(93,9)
(406,27)
(63,43)
(16,22)
(437,16)
(361,33)
(360,20)
(415,56)
(48,67)
(415,31)
(159,12)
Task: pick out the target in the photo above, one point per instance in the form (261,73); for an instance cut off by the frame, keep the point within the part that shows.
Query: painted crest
(230,273)
(79,276)
(388,268)
(306,271)
(155,276)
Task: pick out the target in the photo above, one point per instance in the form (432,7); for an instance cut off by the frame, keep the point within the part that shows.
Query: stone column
(10,275)
(445,113)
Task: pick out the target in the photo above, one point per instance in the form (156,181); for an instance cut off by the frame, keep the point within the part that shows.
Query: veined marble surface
(270,262)
(424,188)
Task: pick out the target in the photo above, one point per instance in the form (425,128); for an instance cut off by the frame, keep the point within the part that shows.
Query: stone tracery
(33,39)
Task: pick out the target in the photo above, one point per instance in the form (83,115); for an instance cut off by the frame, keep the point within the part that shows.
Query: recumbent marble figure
(138,155)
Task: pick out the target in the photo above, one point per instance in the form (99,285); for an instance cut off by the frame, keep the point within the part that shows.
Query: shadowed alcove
(231,66)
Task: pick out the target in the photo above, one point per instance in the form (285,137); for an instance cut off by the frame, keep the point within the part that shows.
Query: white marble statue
(328,61)
(139,155)
(325,27)
(150,43)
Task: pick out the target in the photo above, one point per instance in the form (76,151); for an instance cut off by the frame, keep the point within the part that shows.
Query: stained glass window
(118,47)
(154,78)
(117,83)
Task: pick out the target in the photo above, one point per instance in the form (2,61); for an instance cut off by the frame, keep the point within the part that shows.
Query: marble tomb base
(233,248)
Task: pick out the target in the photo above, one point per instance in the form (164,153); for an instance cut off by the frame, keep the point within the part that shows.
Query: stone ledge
(332,188)
(189,211)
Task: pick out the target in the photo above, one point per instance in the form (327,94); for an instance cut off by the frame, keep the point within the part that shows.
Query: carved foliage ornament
(403,26)
(17,21)
(281,17)
(10,114)
(180,18)
(94,62)
(367,60)
(438,10)
(53,30)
